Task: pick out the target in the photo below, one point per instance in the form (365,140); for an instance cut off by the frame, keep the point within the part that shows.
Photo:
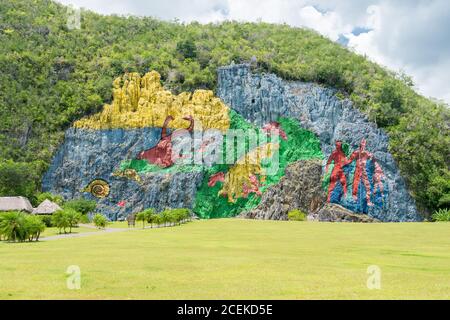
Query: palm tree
(142,216)
(35,226)
(61,220)
(73,218)
(13,226)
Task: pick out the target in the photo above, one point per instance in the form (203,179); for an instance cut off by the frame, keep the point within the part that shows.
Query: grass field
(236,259)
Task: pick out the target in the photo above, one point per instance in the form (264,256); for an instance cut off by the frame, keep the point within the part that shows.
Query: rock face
(300,188)
(262,98)
(95,154)
(94,150)
(335,213)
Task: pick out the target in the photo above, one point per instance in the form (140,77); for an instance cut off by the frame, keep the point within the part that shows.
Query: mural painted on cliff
(128,142)
(360,173)
(99,188)
(226,189)
(229,189)
(263,97)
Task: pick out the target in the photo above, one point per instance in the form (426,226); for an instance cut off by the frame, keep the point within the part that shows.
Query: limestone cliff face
(96,146)
(261,98)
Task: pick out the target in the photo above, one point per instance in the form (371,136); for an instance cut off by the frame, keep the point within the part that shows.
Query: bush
(82,206)
(100,221)
(84,218)
(47,220)
(441,215)
(296,215)
(67,218)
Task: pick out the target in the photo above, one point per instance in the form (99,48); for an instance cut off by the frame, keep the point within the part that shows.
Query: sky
(411,36)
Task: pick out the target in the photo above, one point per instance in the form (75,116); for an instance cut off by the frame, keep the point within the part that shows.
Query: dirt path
(83,234)
(102,231)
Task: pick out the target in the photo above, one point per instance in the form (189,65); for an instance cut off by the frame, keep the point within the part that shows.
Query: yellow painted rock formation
(247,166)
(143,102)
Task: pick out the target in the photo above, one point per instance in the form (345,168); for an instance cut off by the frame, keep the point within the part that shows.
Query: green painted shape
(301,145)
(143,167)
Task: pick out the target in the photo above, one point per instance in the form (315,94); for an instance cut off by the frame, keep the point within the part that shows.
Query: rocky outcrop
(336,213)
(262,98)
(300,188)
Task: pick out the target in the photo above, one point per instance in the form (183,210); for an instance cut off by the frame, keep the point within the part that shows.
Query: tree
(73,218)
(165,217)
(100,221)
(82,206)
(35,226)
(150,214)
(152,218)
(187,49)
(157,220)
(19,178)
(13,226)
(142,216)
(61,220)
(41,197)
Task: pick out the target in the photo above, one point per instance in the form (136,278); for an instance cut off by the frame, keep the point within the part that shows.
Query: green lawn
(230,258)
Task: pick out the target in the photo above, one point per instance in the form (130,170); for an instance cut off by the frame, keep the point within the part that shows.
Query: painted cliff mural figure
(366,171)
(378,177)
(340,160)
(161,154)
(361,156)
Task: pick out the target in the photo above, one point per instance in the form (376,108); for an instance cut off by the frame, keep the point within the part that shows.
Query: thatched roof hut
(15,204)
(46,207)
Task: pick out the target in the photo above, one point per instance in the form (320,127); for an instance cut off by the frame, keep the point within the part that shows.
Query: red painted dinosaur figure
(161,154)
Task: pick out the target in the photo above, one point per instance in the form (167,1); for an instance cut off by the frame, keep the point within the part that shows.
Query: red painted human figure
(361,156)
(340,160)
(161,154)
(378,176)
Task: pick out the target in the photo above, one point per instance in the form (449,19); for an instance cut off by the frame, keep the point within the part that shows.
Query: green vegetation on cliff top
(51,76)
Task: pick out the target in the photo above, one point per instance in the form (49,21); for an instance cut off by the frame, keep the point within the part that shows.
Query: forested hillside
(51,76)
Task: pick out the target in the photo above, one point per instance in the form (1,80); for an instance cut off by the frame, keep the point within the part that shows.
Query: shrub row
(166,217)
(17,226)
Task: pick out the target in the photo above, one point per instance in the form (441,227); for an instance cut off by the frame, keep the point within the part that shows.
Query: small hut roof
(46,207)
(15,204)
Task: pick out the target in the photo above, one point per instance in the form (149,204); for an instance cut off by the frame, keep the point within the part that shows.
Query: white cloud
(412,38)
(409,35)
